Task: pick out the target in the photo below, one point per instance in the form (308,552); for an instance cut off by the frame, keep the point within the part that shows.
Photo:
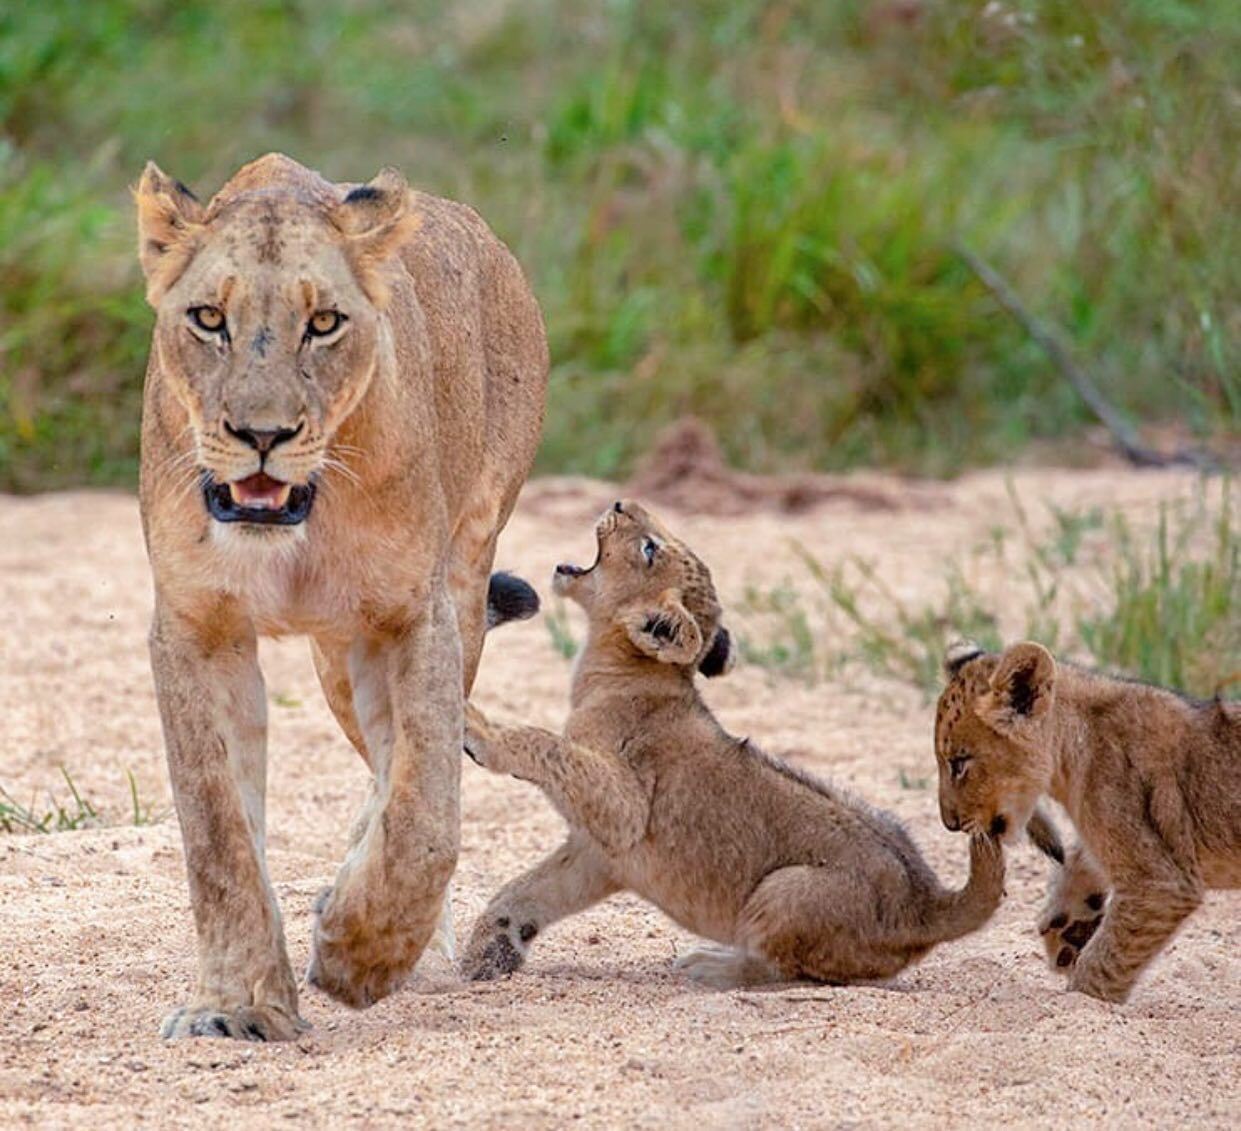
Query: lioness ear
(1021,688)
(170,220)
(376,219)
(719,658)
(665,632)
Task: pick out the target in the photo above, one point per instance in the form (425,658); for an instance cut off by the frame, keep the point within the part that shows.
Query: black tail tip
(510,598)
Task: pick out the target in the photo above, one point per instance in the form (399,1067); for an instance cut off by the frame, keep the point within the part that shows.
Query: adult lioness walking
(344,396)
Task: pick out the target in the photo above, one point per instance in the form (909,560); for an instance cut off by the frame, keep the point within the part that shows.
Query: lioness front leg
(379,915)
(571,879)
(211,701)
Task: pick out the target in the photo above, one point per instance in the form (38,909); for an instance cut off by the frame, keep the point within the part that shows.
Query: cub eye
(324,322)
(649,547)
(209,318)
(958,765)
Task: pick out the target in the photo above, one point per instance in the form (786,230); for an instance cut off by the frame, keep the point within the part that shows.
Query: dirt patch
(98,942)
(686,469)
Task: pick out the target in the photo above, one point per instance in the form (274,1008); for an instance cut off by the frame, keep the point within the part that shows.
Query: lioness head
(650,592)
(268,325)
(989,742)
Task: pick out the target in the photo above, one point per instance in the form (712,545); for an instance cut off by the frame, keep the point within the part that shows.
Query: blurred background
(748,211)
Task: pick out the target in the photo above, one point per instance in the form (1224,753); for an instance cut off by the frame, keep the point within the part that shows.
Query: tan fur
(419,422)
(794,878)
(1151,779)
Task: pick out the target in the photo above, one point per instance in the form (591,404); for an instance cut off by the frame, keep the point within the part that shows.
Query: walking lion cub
(792,877)
(1151,779)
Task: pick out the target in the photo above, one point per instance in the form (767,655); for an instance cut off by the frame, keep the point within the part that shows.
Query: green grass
(58,814)
(1174,615)
(560,631)
(739,209)
(1155,604)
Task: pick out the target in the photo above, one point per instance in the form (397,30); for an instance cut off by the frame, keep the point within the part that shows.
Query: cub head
(268,328)
(649,593)
(990,724)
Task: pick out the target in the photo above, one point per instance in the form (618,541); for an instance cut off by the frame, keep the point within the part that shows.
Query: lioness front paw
(497,947)
(1067,927)
(357,970)
(246,1023)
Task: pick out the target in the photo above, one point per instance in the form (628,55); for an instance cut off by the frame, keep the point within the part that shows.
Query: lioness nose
(261,440)
(952,822)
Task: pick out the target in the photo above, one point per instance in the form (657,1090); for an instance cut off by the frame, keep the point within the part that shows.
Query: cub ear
(376,218)
(665,632)
(1021,688)
(719,658)
(170,220)
(959,653)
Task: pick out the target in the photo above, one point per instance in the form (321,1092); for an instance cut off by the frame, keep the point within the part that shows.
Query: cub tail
(509,598)
(964,911)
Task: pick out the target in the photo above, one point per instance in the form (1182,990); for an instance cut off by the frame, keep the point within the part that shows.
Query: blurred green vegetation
(739,209)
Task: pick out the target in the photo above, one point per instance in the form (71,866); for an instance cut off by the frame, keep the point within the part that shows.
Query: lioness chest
(304,588)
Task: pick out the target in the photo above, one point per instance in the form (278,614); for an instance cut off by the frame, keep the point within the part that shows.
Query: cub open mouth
(259,499)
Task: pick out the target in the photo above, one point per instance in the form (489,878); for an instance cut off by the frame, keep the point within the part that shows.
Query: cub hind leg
(571,879)
(812,922)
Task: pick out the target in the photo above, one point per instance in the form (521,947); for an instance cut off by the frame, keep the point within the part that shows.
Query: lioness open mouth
(259,499)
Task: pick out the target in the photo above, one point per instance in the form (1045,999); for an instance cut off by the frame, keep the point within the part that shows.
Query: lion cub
(1151,779)
(794,878)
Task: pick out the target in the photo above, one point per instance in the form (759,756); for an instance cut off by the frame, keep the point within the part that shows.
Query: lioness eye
(209,318)
(649,546)
(958,765)
(324,322)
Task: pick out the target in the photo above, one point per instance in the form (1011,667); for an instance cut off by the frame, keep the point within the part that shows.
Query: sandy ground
(97,941)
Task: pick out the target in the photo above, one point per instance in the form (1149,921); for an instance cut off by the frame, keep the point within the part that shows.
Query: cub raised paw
(1068,925)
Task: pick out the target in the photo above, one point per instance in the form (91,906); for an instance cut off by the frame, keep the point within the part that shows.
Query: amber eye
(958,765)
(324,322)
(209,318)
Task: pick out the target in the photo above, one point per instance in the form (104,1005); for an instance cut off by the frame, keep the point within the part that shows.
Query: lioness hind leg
(571,879)
(808,922)
(1075,907)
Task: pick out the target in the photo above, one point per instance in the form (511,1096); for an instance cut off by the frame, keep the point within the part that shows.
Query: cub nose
(952,822)
(264,439)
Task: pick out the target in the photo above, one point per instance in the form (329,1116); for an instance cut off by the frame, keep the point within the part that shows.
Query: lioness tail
(509,598)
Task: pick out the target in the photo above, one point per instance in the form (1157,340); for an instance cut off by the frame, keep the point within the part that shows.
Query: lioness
(1151,779)
(795,878)
(344,395)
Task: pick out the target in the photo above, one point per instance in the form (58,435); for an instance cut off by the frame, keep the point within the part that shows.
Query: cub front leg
(1138,924)
(213,709)
(375,921)
(571,879)
(593,790)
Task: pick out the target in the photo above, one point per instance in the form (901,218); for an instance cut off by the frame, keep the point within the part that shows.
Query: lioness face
(269,327)
(988,729)
(654,587)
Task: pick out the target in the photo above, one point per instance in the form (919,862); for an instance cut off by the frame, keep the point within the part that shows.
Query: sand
(598,1030)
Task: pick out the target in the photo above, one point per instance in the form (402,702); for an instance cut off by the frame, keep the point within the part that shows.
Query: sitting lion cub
(792,877)
(1151,779)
